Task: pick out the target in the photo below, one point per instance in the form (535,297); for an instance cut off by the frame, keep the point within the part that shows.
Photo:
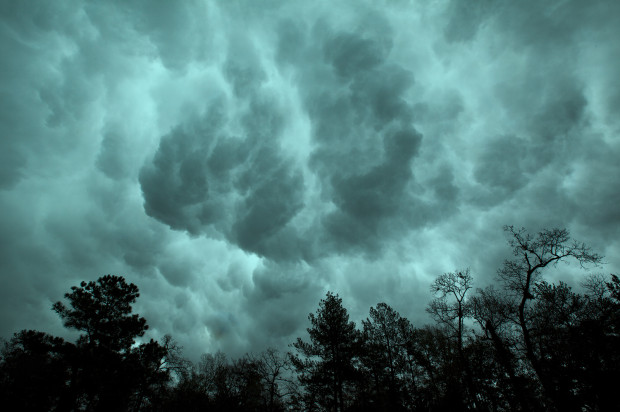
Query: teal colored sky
(238,159)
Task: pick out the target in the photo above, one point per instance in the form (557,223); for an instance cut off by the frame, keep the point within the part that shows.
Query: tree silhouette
(105,370)
(574,336)
(493,311)
(325,364)
(108,371)
(532,254)
(102,310)
(450,309)
(272,367)
(34,371)
(533,346)
(384,357)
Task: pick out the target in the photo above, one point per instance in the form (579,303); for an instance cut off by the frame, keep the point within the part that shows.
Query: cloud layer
(236,160)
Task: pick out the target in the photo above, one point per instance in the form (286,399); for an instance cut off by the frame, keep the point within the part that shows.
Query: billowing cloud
(236,161)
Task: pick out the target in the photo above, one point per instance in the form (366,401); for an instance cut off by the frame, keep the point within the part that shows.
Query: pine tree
(326,363)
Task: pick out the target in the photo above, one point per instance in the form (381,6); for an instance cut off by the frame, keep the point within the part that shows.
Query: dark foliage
(326,364)
(102,310)
(35,368)
(103,371)
(525,345)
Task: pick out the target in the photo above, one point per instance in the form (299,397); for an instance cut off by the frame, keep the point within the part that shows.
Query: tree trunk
(524,399)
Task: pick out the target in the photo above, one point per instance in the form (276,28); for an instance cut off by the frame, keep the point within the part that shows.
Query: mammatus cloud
(236,161)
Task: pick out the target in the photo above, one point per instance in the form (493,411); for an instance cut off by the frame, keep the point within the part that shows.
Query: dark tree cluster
(522,345)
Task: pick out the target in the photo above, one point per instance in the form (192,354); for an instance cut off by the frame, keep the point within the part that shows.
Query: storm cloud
(236,160)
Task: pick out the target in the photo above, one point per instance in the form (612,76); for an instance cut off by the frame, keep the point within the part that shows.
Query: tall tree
(34,370)
(532,254)
(105,369)
(384,357)
(439,382)
(273,367)
(102,310)
(110,372)
(582,349)
(493,310)
(326,363)
(450,308)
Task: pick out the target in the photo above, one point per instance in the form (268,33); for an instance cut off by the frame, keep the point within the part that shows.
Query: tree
(104,370)
(581,348)
(492,309)
(110,372)
(190,393)
(102,310)
(34,370)
(450,308)
(532,254)
(614,288)
(384,357)
(438,386)
(272,367)
(151,364)
(326,363)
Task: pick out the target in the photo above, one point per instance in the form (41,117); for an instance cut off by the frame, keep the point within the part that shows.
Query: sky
(238,159)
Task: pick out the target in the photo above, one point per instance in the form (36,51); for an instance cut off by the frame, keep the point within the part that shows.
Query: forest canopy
(523,344)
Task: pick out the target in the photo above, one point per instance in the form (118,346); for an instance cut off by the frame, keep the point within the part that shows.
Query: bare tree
(533,253)
(273,367)
(451,306)
(173,360)
(491,308)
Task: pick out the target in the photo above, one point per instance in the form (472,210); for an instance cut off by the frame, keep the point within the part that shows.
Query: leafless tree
(450,306)
(273,367)
(532,254)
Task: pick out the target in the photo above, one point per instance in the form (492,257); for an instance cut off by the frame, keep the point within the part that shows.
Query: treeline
(523,345)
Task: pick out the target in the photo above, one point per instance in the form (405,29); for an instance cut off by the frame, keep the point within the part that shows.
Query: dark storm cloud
(269,206)
(371,117)
(464,19)
(175,184)
(236,160)
(366,200)
(202,179)
(290,286)
(352,55)
(360,119)
(19,36)
(548,106)
(504,176)
(112,159)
